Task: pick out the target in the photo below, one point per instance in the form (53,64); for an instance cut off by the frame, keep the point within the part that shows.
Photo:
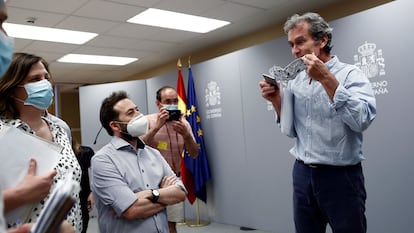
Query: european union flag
(198,166)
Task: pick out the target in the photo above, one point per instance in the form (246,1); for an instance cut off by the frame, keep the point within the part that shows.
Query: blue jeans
(331,195)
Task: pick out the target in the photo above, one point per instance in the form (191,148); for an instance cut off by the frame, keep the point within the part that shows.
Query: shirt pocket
(322,107)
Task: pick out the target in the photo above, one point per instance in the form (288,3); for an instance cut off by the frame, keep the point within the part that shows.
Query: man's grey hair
(318,27)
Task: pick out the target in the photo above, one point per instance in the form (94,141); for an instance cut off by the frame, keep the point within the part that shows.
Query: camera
(174,115)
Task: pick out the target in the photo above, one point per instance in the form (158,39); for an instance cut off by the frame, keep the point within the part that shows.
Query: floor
(210,228)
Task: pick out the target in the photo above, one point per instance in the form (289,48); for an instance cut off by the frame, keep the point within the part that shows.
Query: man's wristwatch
(155,195)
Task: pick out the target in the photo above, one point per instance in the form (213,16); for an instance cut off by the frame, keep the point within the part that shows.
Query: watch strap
(155,197)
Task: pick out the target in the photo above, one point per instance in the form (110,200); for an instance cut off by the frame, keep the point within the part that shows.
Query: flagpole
(197,222)
(179,63)
(183,222)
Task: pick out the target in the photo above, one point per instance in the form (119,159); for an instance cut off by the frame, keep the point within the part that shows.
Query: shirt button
(147,185)
(142,170)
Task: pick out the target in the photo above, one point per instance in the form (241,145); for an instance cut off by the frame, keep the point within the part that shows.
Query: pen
(18,222)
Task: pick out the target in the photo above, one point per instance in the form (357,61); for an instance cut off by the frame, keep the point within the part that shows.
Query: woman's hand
(33,188)
(91,202)
(66,227)
(25,228)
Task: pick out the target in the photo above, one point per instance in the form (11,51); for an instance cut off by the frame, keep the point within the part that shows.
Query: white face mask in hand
(289,72)
(138,126)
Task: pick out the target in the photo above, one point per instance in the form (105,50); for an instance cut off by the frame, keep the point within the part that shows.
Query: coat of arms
(370,61)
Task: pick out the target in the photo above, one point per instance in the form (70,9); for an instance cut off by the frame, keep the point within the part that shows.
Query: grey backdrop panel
(388,142)
(268,160)
(224,139)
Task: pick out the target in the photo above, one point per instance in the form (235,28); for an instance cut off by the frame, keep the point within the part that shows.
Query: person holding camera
(170,132)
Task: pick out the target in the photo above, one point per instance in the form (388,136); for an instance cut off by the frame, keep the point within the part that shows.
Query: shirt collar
(332,62)
(140,144)
(120,143)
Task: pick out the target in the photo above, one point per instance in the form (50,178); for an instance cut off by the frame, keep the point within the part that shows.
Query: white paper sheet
(286,118)
(16,149)
(57,206)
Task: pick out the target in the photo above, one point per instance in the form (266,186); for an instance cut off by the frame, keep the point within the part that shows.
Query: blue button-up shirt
(330,132)
(119,171)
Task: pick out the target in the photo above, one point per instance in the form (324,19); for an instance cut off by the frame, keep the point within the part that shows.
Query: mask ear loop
(112,125)
(18,99)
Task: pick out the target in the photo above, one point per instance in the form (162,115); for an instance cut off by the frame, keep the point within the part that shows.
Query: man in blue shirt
(131,182)
(331,104)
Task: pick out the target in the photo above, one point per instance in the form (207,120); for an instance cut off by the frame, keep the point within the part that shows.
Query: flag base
(197,223)
(183,223)
(247,229)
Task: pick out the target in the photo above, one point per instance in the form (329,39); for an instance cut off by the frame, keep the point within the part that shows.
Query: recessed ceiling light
(47,34)
(179,21)
(96,59)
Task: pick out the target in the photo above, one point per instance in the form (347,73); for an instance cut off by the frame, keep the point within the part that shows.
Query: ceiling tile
(232,12)
(44,19)
(195,7)
(130,30)
(112,51)
(174,36)
(125,43)
(263,4)
(57,6)
(20,44)
(86,24)
(50,47)
(108,10)
(141,3)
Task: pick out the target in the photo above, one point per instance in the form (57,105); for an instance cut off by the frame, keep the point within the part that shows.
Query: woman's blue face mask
(39,94)
(6,52)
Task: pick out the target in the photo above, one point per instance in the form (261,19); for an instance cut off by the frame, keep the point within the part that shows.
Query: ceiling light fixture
(96,59)
(179,21)
(48,34)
